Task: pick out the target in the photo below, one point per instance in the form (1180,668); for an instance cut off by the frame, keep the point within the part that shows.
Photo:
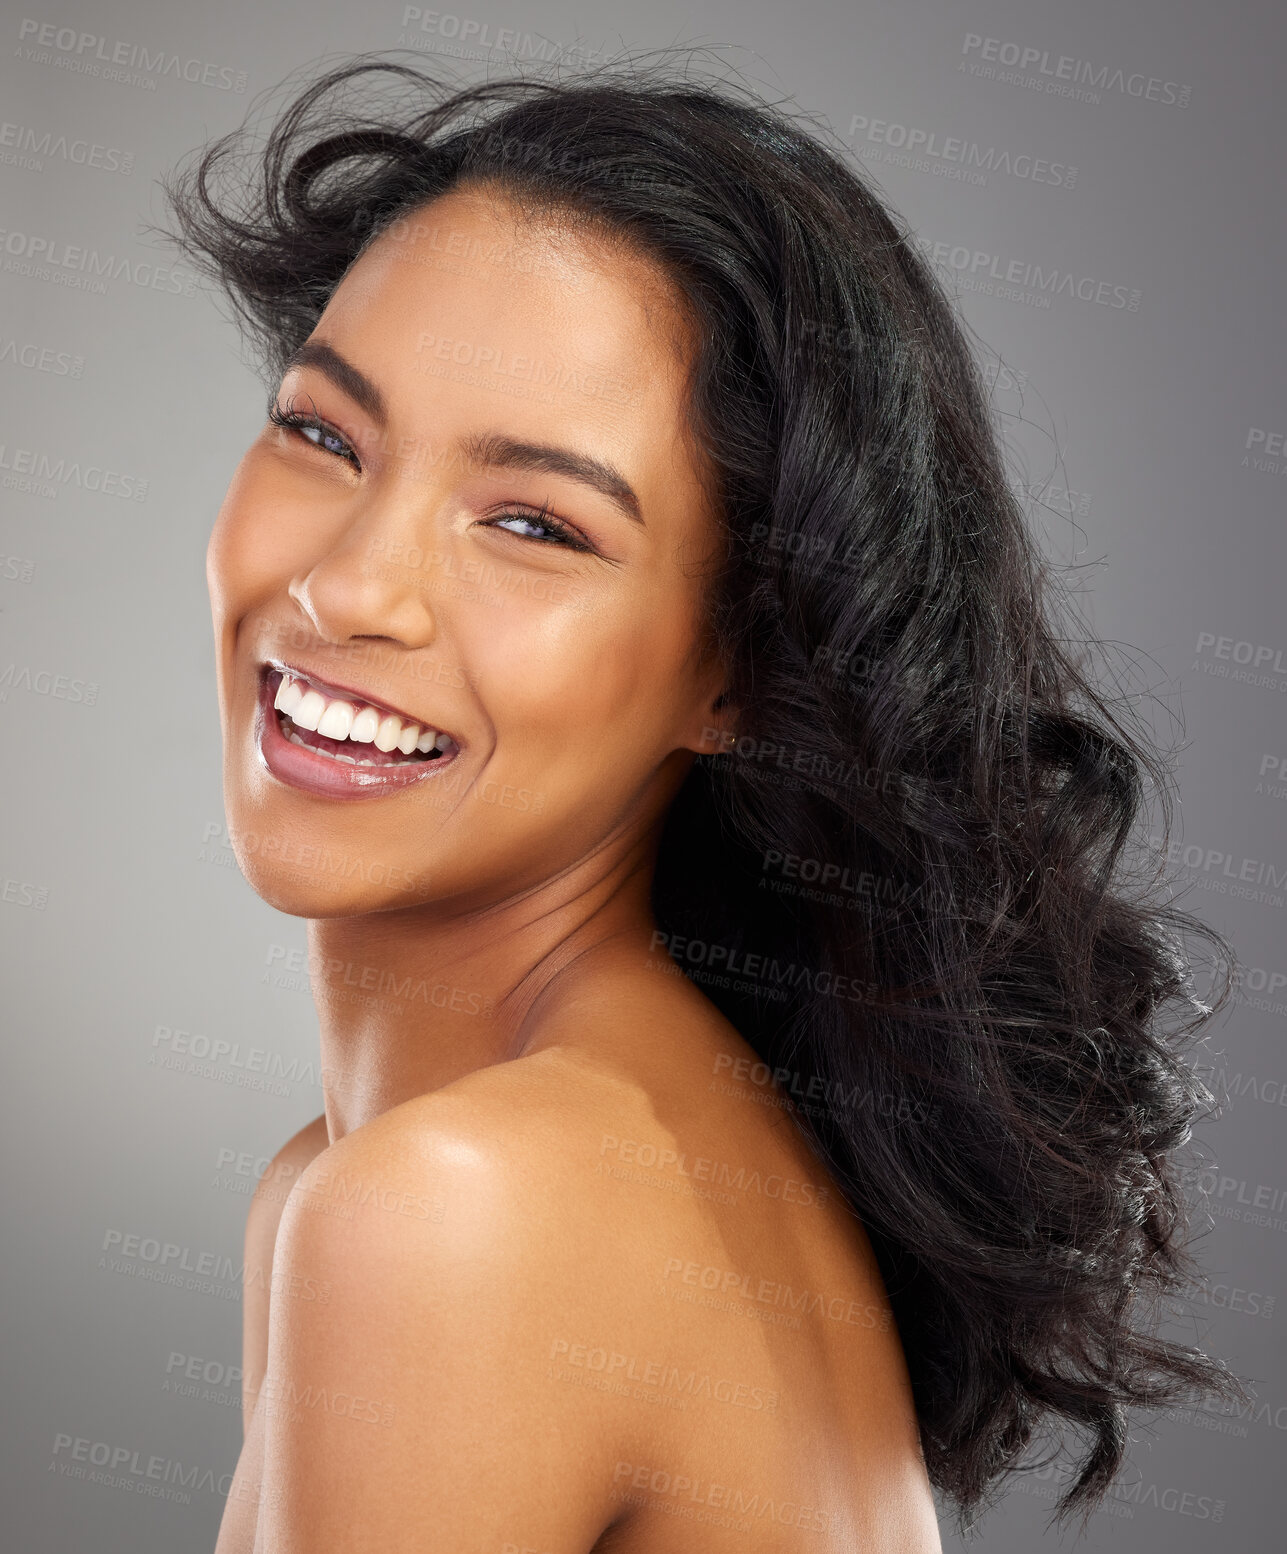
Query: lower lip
(320,774)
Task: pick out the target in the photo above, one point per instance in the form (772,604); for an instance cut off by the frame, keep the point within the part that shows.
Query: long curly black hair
(915,884)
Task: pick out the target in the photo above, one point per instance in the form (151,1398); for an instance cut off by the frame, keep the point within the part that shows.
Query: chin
(309,892)
(296,891)
(309,872)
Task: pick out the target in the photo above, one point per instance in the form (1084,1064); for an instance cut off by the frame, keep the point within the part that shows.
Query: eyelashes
(331,440)
(542,518)
(298,420)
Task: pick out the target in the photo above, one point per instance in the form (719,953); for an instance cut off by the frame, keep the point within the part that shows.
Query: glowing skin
(499,1035)
(567,676)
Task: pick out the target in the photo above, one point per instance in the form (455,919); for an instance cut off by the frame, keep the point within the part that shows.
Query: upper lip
(333,690)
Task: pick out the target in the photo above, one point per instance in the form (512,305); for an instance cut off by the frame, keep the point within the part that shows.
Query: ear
(713,730)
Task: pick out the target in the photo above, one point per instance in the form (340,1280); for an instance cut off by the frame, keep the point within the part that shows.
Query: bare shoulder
(624,1284)
(262,1219)
(502,1171)
(432,1265)
(284,1170)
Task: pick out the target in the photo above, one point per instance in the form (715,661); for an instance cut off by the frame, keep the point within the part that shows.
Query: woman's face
(471,369)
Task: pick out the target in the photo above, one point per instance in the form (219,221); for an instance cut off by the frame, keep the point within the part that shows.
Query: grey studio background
(1102,186)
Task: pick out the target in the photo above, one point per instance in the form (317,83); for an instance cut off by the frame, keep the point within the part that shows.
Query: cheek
(262,537)
(601,667)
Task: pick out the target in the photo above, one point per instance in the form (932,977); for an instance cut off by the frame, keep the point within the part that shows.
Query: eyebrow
(491,450)
(329,362)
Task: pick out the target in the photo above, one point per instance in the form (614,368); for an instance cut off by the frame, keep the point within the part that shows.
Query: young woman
(748,1100)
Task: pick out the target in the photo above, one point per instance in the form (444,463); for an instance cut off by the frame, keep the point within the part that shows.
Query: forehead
(528,316)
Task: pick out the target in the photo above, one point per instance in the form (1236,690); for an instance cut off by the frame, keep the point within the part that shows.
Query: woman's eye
(542,527)
(315,430)
(331,441)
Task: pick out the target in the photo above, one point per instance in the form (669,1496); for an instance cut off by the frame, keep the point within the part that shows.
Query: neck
(410,1000)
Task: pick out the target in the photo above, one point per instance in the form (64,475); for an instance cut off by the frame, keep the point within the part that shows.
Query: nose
(363,587)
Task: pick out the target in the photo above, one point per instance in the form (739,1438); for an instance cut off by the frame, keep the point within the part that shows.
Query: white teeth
(349,760)
(364,726)
(337,720)
(289,695)
(308,713)
(386,736)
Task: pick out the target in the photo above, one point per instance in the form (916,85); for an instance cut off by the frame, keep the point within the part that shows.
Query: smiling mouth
(349,730)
